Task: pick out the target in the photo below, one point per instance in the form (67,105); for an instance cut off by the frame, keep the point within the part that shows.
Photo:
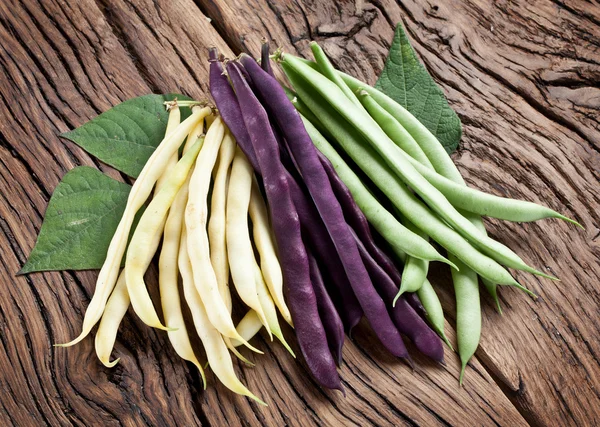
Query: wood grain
(523,78)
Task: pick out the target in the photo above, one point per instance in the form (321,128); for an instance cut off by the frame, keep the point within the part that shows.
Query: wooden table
(522,75)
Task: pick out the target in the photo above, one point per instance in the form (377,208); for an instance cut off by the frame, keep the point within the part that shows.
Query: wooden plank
(148,38)
(113,50)
(521,76)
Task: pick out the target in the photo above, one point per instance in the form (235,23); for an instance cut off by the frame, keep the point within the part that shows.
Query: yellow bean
(116,307)
(196,215)
(265,244)
(216,224)
(140,251)
(239,246)
(269,307)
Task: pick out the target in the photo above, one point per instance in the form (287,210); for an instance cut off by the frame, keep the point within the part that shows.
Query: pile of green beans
(406,162)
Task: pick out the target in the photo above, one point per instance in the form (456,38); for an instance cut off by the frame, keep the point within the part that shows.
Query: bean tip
(110,364)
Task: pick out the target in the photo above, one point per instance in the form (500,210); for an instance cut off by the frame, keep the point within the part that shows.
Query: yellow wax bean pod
(216,224)
(214,345)
(196,216)
(138,258)
(239,246)
(269,307)
(140,191)
(265,244)
(115,310)
(248,327)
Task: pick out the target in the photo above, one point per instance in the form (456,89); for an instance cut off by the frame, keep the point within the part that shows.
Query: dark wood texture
(522,75)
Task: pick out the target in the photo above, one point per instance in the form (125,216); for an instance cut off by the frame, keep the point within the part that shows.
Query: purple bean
(292,253)
(405,317)
(357,220)
(305,154)
(265,61)
(334,329)
(413,300)
(229,107)
(324,250)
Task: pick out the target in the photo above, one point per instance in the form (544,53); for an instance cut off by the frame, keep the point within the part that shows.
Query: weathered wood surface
(523,77)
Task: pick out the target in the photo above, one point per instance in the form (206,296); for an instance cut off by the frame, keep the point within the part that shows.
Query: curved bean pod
(332,323)
(468,315)
(415,270)
(433,310)
(269,309)
(269,264)
(115,310)
(356,219)
(404,316)
(168,271)
(327,70)
(216,223)
(239,247)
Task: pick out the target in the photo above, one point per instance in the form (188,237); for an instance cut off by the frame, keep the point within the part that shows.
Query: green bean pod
(415,270)
(330,72)
(433,310)
(468,314)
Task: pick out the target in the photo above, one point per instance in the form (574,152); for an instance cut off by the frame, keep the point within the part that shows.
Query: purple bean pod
(305,154)
(292,253)
(334,329)
(405,317)
(265,61)
(229,107)
(413,300)
(357,220)
(324,249)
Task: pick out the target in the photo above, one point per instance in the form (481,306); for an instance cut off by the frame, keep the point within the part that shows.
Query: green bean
(300,74)
(468,315)
(327,70)
(393,129)
(396,191)
(140,191)
(433,309)
(415,270)
(485,204)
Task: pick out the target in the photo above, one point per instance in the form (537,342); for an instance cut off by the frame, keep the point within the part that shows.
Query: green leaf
(126,135)
(407,81)
(80,221)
